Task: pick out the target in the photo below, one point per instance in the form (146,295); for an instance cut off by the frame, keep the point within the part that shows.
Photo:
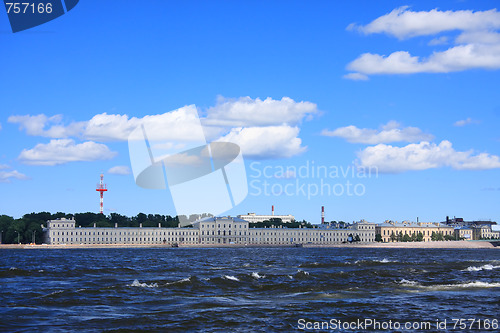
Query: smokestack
(322,214)
(272,208)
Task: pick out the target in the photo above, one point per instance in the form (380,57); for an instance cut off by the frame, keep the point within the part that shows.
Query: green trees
(276,222)
(30,225)
(378,238)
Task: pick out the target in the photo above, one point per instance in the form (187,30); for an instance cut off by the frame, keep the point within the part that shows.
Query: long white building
(208,231)
(252,217)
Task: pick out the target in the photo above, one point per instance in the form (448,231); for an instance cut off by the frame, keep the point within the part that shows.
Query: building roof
(219,218)
(413,225)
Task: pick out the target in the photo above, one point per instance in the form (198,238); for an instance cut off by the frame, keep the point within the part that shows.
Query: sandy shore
(408,245)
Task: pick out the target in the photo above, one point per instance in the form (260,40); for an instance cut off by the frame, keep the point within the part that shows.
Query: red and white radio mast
(101,187)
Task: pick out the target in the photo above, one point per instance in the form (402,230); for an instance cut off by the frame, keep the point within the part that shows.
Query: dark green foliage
(22,230)
(276,222)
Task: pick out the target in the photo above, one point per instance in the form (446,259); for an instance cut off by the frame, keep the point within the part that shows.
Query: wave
(230,277)
(188,279)
(256,275)
(379,261)
(486,267)
(136,283)
(405,282)
(466,285)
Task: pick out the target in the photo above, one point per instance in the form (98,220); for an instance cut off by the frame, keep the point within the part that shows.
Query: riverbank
(402,245)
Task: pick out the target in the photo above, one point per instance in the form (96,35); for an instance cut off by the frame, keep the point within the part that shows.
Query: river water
(249,290)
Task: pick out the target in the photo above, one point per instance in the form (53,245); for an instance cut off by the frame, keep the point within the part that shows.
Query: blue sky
(410,89)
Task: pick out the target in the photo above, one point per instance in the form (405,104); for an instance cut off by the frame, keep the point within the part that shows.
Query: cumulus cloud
(477,45)
(120,170)
(422,156)
(240,118)
(266,142)
(41,125)
(403,23)
(6,176)
(61,151)
(248,112)
(391,132)
(463,122)
(177,125)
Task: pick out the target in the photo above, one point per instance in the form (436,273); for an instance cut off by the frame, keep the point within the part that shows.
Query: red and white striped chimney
(322,214)
(272,208)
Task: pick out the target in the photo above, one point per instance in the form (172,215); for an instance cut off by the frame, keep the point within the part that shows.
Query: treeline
(29,228)
(276,222)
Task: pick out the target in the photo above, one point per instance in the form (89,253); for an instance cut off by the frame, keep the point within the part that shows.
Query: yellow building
(399,231)
(484,232)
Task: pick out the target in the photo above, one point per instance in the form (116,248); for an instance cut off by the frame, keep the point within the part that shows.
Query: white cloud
(477,45)
(391,132)
(239,118)
(36,125)
(403,23)
(439,41)
(6,176)
(460,123)
(458,58)
(356,77)
(120,170)
(60,151)
(246,111)
(175,125)
(422,156)
(266,142)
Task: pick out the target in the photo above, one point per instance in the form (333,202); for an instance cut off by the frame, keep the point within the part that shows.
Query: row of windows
(219,226)
(386,232)
(130,233)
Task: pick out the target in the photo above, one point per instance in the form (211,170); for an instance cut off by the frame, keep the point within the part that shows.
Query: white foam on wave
(256,275)
(53,293)
(405,282)
(136,283)
(230,277)
(188,279)
(385,261)
(486,267)
(473,284)
(302,272)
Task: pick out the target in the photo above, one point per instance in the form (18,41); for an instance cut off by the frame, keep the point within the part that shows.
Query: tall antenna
(101,187)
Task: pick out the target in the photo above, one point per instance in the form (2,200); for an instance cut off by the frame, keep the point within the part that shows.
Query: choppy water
(243,289)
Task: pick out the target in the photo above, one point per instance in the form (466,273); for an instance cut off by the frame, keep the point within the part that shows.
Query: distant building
(207,231)
(252,217)
(459,222)
(463,232)
(390,230)
(484,232)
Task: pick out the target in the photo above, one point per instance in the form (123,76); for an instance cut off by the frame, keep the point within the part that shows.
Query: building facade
(484,232)
(252,217)
(208,231)
(393,231)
